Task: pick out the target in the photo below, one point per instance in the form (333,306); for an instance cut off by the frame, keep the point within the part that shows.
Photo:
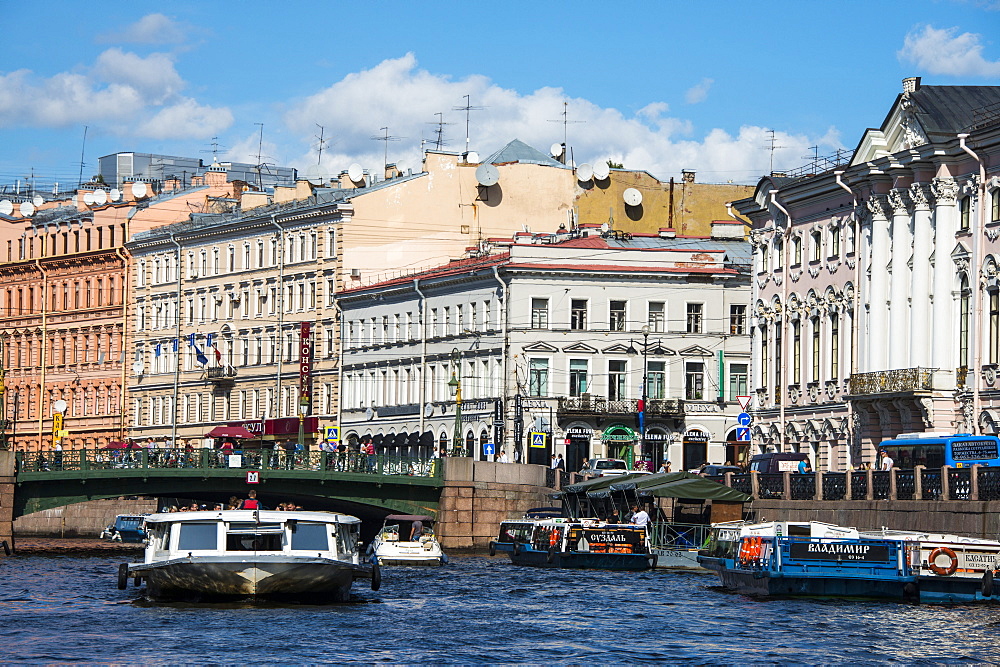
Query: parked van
(777,461)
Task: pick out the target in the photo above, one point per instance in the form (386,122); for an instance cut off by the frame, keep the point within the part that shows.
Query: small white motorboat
(251,554)
(407,539)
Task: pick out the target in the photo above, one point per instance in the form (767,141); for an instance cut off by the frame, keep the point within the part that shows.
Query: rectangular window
(796,251)
(778,361)
(578,314)
(737,319)
(616,380)
(487,321)
(694,380)
(779,257)
(737,381)
(994,325)
(817,246)
(796,352)
(964,211)
(814,324)
(656,379)
(616,316)
(538,377)
(834,346)
(995,205)
(577,377)
(198,537)
(694,312)
(447,321)
(657,316)
(835,242)
(765,361)
(539,313)
(765,259)
(434,322)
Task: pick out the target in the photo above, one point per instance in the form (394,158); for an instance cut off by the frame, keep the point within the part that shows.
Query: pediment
(696,351)
(901,131)
(580,348)
(660,351)
(960,252)
(618,348)
(540,347)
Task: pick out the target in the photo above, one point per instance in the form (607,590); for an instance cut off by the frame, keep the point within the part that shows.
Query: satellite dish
(487,174)
(139,190)
(88,198)
(100,197)
(138,367)
(6,207)
(601,171)
(115,194)
(472,157)
(584,172)
(632,197)
(27,209)
(60,406)
(355,172)
(555,150)
(605,228)
(37,201)
(315,174)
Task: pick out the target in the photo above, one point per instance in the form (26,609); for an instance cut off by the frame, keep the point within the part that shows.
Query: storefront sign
(305,363)
(278,427)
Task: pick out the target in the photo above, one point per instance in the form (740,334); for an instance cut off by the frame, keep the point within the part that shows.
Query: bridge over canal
(469,498)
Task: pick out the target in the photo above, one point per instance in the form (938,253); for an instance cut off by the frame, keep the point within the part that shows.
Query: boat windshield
(310,537)
(252,537)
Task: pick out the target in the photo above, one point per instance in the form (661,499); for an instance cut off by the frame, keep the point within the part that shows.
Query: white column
(878,316)
(899,307)
(863,289)
(920,296)
(942,327)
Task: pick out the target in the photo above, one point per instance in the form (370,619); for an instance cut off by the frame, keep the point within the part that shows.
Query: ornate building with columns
(876,298)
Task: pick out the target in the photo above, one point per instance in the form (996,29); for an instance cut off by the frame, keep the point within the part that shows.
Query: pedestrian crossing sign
(538,440)
(332,433)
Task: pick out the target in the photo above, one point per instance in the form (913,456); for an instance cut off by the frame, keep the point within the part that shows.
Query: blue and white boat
(785,558)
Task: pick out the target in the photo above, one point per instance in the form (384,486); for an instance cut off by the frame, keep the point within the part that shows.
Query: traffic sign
(332,433)
(538,440)
(253,477)
(743,433)
(744,402)
(743,419)
(488,449)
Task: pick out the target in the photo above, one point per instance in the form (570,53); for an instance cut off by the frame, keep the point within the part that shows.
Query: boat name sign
(840,551)
(613,537)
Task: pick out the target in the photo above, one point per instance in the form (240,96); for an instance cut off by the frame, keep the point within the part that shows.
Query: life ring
(493,548)
(553,537)
(123,576)
(987,587)
(937,569)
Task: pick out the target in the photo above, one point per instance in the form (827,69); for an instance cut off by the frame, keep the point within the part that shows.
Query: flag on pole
(191,340)
(208,340)
(175,345)
(218,356)
(159,349)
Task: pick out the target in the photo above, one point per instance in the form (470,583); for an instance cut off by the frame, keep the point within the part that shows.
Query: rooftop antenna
(565,121)
(215,150)
(467,108)
(385,138)
(772,148)
(260,147)
(439,142)
(82,151)
(322,143)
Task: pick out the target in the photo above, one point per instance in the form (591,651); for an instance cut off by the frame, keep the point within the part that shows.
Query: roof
(250,515)
(661,485)
(518,151)
(951,109)
(454,268)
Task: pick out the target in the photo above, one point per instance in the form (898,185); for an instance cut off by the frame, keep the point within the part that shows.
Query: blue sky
(659,86)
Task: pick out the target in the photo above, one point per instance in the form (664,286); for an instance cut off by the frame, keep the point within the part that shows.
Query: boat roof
(409,517)
(259,516)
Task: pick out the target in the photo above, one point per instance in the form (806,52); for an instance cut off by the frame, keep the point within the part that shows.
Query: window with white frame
(657,316)
(539,313)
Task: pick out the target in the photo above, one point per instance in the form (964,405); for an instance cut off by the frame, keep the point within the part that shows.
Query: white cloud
(944,51)
(699,92)
(122,93)
(397,94)
(150,29)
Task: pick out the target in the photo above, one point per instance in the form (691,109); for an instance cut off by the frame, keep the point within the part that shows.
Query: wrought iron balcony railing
(598,405)
(891,381)
(222,373)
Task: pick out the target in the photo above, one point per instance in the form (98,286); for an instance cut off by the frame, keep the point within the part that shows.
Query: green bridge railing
(84,460)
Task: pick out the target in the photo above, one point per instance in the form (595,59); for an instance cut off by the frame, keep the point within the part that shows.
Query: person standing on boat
(416,530)
(639,517)
(251,502)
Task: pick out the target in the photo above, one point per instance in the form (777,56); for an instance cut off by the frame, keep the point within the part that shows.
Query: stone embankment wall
(86,519)
(6,499)
(478,495)
(960,517)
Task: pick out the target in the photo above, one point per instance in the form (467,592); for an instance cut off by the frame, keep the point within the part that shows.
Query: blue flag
(159,349)
(191,340)
(175,345)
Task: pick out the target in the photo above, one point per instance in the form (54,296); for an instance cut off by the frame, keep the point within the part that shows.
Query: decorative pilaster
(878,316)
(899,316)
(920,278)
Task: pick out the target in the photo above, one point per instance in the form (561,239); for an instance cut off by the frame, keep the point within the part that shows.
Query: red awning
(229,432)
(118,444)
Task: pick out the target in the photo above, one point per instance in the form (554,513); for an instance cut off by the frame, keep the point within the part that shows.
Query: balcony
(222,374)
(896,381)
(598,406)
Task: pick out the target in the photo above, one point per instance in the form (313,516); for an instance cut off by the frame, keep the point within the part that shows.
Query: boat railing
(919,483)
(678,535)
(83,460)
(787,553)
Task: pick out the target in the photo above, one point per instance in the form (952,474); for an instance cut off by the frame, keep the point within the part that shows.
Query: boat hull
(278,578)
(676,559)
(579,559)
(777,584)
(409,553)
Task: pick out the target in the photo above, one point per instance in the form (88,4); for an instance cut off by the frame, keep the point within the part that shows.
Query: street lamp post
(643,451)
(455,386)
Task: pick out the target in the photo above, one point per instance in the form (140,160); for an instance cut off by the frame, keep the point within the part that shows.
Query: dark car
(777,462)
(713,470)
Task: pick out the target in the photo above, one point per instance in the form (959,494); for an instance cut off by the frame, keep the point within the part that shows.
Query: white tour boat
(407,539)
(251,554)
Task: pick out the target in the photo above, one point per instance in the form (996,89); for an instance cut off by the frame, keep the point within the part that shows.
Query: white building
(547,337)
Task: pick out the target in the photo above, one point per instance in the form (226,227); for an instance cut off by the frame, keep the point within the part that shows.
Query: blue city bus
(962,450)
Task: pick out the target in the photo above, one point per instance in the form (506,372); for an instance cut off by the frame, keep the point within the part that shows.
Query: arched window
(995,205)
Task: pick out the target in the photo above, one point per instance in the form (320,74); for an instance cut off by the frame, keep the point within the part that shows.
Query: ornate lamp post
(455,387)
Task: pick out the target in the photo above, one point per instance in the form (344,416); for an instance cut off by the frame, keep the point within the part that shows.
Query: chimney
(911,84)
(727,229)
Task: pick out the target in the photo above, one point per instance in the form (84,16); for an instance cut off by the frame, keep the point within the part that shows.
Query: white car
(605,468)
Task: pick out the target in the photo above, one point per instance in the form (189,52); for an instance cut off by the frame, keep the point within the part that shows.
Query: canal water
(67,608)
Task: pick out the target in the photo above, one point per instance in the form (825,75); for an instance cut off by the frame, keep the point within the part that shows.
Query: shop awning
(618,433)
(229,432)
(603,482)
(698,488)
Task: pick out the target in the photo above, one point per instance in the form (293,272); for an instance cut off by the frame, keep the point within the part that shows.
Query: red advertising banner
(305,362)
